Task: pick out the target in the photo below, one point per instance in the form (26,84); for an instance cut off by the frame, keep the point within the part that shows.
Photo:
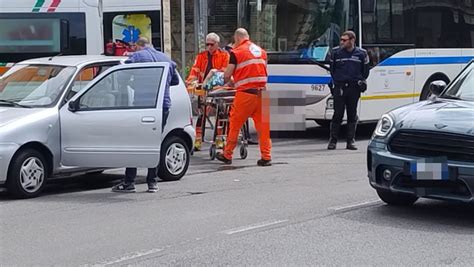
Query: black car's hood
(453,116)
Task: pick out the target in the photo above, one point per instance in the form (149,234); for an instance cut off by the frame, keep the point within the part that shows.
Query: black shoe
(221,157)
(351,132)
(334,133)
(332,146)
(153,188)
(124,188)
(351,146)
(264,163)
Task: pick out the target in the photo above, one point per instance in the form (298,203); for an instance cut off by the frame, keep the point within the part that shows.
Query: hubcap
(32,174)
(176,158)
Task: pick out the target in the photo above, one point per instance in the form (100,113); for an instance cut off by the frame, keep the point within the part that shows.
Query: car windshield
(462,88)
(34,85)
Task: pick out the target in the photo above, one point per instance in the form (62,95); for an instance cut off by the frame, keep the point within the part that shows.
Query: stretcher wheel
(212,152)
(243,152)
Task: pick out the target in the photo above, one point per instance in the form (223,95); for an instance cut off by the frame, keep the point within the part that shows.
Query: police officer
(349,70)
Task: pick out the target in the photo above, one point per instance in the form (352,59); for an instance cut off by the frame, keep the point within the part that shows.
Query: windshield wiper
(320,63)
(12,103)
(450,97)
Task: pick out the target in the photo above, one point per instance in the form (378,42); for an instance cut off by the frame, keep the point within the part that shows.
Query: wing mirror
(74,106)
(437,87)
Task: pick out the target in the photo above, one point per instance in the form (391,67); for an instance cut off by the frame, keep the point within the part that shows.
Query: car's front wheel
(27,174)
(396,199)
(174,159)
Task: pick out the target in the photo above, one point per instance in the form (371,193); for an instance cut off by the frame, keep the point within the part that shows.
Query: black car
(426,149)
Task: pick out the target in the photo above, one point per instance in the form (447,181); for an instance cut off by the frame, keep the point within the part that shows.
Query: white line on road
(359,205)
(132,256)
(252,227)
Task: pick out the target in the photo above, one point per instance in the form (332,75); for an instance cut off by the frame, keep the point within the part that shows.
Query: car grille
(433,144)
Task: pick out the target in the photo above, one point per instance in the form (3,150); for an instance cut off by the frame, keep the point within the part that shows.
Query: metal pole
(183,40)
(166,27)
(196,26)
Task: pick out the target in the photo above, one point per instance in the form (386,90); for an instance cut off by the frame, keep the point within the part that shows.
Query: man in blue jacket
(349,70)
(146,53)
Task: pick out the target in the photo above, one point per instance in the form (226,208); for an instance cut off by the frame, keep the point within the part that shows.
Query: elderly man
(213,58)
(146,53)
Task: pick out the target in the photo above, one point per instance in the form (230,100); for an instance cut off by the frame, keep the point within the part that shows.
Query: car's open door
(116,120)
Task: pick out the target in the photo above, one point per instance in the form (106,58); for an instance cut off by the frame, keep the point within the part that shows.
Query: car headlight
(384,126)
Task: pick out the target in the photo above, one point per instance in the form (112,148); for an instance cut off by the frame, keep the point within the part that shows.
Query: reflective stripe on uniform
(250,62)
(348,59)
(250,80)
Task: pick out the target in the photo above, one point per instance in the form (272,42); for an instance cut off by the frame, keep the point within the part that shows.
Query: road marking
(252,227)
(132,256)
(359,205)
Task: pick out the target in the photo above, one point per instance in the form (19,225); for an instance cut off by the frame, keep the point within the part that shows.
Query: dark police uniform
(349,70)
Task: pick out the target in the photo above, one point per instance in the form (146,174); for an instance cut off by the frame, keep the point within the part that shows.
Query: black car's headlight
(384,126)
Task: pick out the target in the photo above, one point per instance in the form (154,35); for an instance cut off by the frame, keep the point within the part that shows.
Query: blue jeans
(151,177)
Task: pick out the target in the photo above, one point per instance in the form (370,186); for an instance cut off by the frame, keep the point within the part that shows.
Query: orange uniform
(220,60)
(250,80)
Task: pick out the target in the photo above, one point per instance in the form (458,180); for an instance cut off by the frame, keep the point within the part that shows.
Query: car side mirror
(74,106)
(437,87)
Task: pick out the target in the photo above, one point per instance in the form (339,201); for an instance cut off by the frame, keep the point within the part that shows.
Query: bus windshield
(298,31)
(34,85)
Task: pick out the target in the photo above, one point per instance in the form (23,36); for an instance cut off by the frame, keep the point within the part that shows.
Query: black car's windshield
(463,87)
(34,85)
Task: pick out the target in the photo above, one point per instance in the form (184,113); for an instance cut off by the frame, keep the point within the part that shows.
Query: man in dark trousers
(349,70)
(146,53)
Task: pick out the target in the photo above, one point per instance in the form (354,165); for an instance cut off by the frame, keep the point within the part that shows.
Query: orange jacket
(220,60)
(251,69)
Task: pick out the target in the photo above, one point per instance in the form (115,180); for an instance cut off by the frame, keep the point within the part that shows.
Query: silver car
(71,115)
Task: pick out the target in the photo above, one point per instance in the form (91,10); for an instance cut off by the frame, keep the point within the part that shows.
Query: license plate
(430,169)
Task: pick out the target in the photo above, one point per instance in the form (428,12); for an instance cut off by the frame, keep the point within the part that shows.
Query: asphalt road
(312,207)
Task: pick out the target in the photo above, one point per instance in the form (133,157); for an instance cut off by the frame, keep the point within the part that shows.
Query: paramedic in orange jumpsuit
(213,58)
(248,67)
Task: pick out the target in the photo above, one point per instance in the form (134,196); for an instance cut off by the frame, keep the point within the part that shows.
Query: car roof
(72,61)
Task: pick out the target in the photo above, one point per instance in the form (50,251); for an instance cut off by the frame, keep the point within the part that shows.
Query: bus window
(448,25)
(293,31)
(387,28)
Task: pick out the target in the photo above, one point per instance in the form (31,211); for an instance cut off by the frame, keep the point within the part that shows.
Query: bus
(39,28)
(410,44)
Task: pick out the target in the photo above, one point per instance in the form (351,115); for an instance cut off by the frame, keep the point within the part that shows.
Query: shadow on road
(200,162)
(364,132)
(425,215)
(77,184)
